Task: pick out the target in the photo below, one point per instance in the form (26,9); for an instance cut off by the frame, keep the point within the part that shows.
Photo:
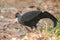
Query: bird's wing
(30,15)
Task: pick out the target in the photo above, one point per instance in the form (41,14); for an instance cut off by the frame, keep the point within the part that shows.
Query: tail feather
(48,15)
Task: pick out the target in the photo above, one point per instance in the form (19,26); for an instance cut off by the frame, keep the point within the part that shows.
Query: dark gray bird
(32,18)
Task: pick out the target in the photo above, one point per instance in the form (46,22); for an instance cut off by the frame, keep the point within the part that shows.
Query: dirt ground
(10,29)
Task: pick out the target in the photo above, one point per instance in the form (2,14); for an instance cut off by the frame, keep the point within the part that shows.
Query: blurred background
(10,29)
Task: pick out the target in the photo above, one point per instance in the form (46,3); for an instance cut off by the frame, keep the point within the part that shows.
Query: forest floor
(10,29)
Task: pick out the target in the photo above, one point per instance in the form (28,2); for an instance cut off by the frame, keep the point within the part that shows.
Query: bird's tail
(50,16)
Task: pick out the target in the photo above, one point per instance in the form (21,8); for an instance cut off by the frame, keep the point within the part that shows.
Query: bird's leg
(28,29)
(34,28)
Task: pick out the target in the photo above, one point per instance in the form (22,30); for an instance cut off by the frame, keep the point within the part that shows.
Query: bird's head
(18,14)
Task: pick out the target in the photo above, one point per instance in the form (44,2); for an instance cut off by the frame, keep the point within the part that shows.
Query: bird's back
(30,15)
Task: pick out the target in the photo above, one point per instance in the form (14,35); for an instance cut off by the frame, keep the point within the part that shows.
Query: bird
(31,18)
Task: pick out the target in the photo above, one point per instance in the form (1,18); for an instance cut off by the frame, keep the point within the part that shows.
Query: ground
(12,30)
